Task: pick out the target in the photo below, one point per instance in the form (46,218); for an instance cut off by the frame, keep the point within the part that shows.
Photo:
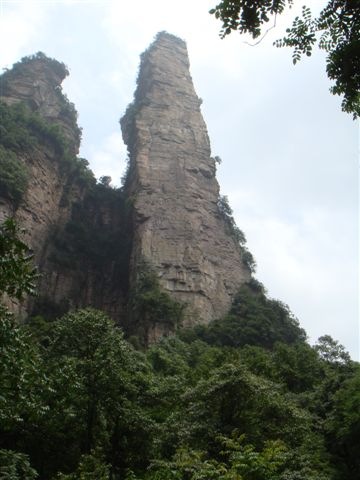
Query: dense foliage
(226,213)
(244,398)
(58,67)
(85,237)
(253,319)
(21,68)
(17,273)
(13,176)
(336,30)
(92,249)
(78,399)
(150,306)
(21,133)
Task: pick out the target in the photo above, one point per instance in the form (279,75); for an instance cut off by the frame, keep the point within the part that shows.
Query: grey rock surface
(177,225)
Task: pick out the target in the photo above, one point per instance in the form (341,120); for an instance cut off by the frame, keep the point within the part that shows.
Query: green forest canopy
(79,402)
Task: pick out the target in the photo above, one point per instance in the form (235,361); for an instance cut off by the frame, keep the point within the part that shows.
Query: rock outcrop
(67,221)
(177,225)
(36,82)
(89,240)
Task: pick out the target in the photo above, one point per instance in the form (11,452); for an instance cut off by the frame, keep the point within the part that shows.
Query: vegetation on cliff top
(59,68)
(23,130)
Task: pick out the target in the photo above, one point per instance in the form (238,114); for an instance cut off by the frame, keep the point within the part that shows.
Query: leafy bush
(149,304)
(15,466)
(248,259)
(254,319)
(59,67)
(91,467)
(13,176)
(22,130)
(15,133)
(79,168)
(17,274)
(238,235)
(20,68)
(227,214)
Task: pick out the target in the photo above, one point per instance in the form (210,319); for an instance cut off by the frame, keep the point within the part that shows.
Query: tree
(331,351)
(17,273)
(253,319)
(237,461)
(105,180)
(22,383)
(336,30)
(15,466)
(342,427)
(91,467)
(99,407)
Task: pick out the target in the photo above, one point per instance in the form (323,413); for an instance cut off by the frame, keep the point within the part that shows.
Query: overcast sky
(290,156)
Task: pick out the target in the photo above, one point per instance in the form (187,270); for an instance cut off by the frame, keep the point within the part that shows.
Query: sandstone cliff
(71,224)
(36,83)
(90,241)
(177,225)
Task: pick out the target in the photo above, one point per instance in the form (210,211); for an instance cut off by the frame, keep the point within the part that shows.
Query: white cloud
(108,158)
(20,23)
(310,262)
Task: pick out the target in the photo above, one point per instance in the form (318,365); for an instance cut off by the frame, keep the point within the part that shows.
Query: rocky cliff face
(90,241)
(65,217)
(177,225)
(36,82)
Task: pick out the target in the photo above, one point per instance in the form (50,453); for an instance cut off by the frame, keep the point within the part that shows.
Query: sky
(290,156)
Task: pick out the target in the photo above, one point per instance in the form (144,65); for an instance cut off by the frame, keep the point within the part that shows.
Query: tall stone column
(171,184)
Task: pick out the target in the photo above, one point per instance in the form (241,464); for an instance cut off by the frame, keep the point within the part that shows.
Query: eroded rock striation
(177,225)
